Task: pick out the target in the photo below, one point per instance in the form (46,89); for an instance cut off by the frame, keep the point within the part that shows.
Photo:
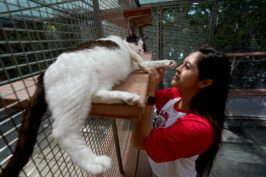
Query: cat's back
(104,56)
(93,51)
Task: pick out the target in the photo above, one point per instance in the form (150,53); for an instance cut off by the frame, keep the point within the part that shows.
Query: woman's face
(187,75)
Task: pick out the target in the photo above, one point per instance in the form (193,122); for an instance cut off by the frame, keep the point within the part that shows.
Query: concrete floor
(243,153)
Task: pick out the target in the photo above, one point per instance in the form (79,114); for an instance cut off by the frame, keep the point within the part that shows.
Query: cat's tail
(28,132)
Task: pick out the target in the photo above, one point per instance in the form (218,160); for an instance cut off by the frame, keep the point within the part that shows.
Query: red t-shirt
(181,135)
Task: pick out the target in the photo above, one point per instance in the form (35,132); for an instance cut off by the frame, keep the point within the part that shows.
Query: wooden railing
(245,54)
(246,92)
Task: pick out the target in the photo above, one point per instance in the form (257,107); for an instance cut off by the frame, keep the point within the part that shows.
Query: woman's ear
(205,83)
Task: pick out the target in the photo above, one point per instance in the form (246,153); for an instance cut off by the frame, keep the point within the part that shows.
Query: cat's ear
(131,31)
(130,35)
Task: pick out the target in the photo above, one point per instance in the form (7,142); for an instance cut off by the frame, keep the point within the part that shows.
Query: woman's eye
(187,67)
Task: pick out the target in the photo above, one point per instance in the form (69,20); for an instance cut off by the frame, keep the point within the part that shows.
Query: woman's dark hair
(210,101)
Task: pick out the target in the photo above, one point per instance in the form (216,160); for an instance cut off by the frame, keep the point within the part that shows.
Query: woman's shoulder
(196,127)
(197,120)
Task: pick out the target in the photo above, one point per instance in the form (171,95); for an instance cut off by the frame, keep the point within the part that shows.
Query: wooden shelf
(137,82)
(141,16)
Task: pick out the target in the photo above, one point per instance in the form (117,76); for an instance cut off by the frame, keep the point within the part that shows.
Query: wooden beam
(245,54)
(246,92)
(137,12)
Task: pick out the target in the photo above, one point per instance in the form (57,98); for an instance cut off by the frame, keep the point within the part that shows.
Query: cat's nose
(139,51)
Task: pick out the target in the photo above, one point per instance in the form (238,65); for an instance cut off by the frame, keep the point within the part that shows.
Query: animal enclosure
(34,32)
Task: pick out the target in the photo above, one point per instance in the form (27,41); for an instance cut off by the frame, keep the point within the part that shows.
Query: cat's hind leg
(69,117)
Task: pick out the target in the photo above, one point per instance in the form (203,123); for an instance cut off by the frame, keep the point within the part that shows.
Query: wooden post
(212,24)
(159,32)
(97,18)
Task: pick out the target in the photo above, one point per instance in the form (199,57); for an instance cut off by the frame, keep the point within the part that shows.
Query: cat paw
(100,165)
(132,99)
(171,63)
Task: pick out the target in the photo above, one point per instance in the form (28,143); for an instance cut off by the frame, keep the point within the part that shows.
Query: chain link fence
(32,34)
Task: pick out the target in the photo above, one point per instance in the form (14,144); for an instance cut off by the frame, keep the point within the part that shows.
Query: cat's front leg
(170,63)
(115,97)
(138,60)
(161,63)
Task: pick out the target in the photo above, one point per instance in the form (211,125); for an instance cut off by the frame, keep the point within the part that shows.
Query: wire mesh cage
(176,31)
(33,34)
(181,27)
(184,26)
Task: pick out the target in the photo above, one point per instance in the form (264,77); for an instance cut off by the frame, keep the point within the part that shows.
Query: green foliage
(240,26)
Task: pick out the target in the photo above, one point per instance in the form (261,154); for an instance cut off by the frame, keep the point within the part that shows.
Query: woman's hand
(156,76)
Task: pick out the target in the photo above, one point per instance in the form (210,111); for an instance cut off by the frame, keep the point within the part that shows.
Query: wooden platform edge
(112,111)
(135,162)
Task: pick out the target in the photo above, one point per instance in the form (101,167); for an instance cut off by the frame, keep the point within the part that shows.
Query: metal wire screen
(176,33)
(33,34)
(230,26)
(181,27)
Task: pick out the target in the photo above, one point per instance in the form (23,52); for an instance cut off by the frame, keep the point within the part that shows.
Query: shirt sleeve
(164,95)
(189,136)
(161,98)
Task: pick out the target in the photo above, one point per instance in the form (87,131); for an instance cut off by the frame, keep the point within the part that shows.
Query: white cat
(78,78)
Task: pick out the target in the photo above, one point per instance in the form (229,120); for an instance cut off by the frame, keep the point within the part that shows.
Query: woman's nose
(178,69)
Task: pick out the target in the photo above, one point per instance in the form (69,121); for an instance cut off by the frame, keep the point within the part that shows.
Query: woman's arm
(142,128)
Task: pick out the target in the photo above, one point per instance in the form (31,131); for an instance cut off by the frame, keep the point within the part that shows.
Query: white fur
(137,48)
(79,78)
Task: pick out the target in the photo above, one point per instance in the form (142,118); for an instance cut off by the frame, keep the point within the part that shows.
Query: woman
(188,127)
